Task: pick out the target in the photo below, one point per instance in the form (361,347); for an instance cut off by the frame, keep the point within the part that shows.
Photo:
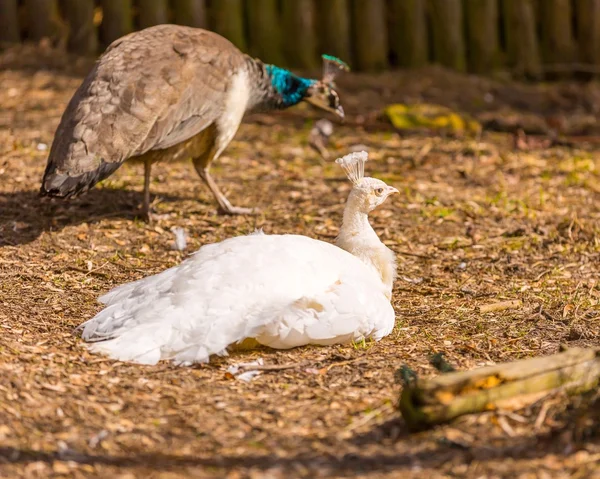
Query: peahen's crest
(354,165)
(332,67)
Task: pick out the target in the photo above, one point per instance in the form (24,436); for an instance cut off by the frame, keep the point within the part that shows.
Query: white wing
(285,291)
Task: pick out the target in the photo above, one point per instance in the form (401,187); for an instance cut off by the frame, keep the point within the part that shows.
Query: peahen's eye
(379,191)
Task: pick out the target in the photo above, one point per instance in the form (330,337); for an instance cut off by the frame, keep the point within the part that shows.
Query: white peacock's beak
(392,190)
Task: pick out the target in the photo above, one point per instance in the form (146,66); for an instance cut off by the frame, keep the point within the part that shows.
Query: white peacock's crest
(354,165)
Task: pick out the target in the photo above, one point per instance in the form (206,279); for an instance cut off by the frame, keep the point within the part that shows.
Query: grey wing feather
(150,90)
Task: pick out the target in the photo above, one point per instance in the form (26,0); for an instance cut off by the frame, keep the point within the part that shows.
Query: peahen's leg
(146,205)
(201,166)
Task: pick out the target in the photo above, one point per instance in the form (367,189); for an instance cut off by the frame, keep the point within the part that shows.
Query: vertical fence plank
(370,34)
(448,39)
(190,12)
(482,35)
(588,26)
(228,20)
(521,39)
(82,33)
(298,20)
(42,18)
(264,30)
(117,19)
(152,12)
(9,21)
(557,35)
(408,32)
(334,28)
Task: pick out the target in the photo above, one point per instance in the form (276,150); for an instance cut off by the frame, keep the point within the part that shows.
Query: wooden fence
(526,37)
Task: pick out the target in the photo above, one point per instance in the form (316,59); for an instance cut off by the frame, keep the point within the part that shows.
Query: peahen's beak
(324,103)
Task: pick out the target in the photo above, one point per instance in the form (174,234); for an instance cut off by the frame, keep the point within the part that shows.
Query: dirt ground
(477,222)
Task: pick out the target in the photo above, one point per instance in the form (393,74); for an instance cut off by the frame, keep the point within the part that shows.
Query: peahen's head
(320,93)
(367,193)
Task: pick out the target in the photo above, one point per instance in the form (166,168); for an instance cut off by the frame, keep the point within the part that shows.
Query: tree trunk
(588,25)
(153,12)
(117,20)
(521,39)
(82,33)
(191,13)
(298,20)
(334,28)
(408,32)
(445,397)
(9,21)
(370,34)
(482,35)
(264,31)
(228,20)
(448,40)
(557,36)
(42,19)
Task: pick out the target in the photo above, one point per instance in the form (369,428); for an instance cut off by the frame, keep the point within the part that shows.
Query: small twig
(539,422)
(272,367)
(423,152)
(515,417)
(369,417)
(543,273)
(500,306)
(408,253)
(344,363)
(503,423)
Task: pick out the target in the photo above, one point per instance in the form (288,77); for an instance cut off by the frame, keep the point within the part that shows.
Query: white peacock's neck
(358,237)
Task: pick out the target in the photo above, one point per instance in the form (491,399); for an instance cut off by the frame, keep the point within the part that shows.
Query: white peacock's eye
(379,191)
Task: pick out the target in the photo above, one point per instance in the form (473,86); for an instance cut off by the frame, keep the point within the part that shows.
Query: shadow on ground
(347,464)
(24,215)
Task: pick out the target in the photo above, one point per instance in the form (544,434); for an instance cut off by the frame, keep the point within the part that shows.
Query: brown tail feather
(65,186)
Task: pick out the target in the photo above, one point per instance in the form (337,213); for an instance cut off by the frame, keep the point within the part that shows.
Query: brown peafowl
(170,92)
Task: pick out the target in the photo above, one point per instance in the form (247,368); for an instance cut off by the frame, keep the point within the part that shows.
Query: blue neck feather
(292,88)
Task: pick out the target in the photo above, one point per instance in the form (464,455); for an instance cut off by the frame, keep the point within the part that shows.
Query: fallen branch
(436,400)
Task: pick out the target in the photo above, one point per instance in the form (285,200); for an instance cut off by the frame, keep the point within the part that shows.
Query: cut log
(425,402)
(264,31)
(227,19)
(370,34)
(191,13)
(298,19)
(334,27)
(153,12)
(448,39)
(117,20)
(82,33)
(482,35)
(521,38)
(9,21)
(408,38)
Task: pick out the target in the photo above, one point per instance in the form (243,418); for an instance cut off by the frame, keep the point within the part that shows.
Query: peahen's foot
(238,210)
(147,216)
(151,216)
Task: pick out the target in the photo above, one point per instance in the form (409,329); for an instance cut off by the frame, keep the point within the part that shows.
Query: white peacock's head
(368,193)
